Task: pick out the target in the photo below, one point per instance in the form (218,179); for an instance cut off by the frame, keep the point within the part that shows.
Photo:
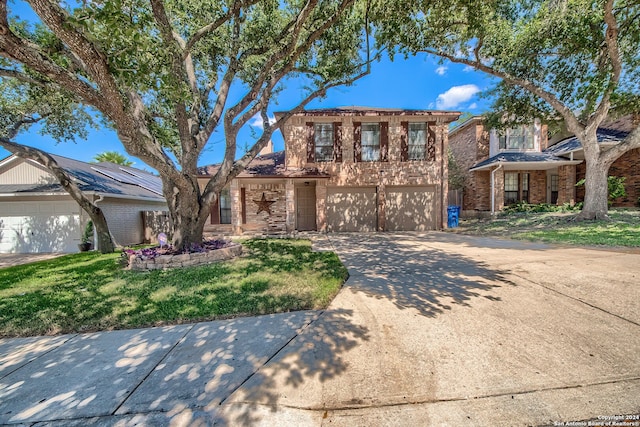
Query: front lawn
(90,291)
(622,230)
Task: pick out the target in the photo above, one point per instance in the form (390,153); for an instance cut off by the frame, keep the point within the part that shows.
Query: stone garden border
(163,262)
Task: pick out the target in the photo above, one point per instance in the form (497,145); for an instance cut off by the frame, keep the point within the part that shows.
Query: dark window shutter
(357,142)
(311,143)
(404,141)
(384,141)
(337,142)
(243,201)
(215,211)
(431,143)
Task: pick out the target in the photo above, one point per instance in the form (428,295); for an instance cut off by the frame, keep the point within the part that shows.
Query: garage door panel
(410,208)
(33,227)
(352,209)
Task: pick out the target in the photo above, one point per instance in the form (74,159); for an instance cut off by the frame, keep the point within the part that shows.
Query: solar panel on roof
(127,178)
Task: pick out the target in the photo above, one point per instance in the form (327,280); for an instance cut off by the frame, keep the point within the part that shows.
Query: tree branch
(570,119)
(95,62)
(613,52)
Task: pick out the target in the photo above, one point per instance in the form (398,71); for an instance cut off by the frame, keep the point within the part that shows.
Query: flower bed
(158,258)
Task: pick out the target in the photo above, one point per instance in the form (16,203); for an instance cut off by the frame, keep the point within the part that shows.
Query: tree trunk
(596,190)
(105,244)
(186,212)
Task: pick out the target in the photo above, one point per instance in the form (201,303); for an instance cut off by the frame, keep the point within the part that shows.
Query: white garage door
(33,227)
(352,209)
(410,208)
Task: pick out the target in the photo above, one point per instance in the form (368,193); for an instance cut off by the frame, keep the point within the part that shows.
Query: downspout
(95,235)
(493,189)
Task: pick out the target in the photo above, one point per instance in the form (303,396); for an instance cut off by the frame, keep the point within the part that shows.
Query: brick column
(321,205)
(236,207)
(382,216)
(566,184)
(498,188)
(290,206)
(442,148)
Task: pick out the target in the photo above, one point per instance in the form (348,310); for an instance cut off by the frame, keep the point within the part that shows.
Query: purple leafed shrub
(156,251)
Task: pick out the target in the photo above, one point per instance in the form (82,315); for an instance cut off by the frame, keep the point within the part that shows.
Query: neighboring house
(525,164)
(343,169)
(38,215)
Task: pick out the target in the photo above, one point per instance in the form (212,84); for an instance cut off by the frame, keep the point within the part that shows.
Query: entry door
(305,208)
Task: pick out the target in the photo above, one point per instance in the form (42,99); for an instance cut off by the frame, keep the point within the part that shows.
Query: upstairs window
(324,142)
(417,146)
(518,139)
(323,139)
(370,142)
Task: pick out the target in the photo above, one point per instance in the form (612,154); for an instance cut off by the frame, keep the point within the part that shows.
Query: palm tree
(112,157)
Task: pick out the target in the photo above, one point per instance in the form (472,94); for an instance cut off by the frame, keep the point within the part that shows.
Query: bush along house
(343,169)
(525,164)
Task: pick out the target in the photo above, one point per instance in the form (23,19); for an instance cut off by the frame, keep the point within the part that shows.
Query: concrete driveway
(430,329)
(9,260)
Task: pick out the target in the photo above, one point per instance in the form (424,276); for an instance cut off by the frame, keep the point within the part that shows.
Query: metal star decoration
(264,205)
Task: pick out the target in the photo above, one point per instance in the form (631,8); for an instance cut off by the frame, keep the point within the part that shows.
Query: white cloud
(256,121)
(473,106)
(441,70)
(468,69)
(456,96)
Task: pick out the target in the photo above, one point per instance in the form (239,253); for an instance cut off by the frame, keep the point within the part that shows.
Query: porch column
(236,207)
(321,205)
(566,184)
(290,206)
(498,188)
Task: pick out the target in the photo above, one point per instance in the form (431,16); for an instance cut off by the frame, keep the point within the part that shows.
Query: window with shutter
(324,142)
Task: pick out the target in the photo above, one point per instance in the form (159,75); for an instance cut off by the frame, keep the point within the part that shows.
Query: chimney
(268,149)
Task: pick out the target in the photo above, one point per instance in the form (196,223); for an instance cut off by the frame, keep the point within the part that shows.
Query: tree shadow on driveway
(405,270)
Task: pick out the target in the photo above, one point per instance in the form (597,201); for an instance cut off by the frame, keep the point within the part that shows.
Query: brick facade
(471,146)
(380,174)
(392,175)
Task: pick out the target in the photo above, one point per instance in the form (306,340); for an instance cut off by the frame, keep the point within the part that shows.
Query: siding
(22,172)
(125,218)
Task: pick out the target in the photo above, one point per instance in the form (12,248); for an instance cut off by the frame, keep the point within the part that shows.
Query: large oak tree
(167,74)
(574,60)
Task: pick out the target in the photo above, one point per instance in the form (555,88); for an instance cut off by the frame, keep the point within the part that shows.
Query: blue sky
(420,82)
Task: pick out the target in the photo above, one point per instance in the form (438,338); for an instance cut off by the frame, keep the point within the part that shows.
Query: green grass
(90,291)
(623,229)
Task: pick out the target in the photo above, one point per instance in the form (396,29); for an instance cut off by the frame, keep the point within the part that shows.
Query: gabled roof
(270,165)
(532,160)
(605,137)
(104,178)
(459,127)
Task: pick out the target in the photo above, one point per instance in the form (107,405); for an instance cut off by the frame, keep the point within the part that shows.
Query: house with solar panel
(526,164)
(38,215)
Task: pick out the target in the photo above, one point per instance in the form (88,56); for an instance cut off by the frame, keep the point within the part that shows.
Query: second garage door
(352,209)
(410,208)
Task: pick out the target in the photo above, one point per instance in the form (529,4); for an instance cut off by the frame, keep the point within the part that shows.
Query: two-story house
(524,164)
(344,169)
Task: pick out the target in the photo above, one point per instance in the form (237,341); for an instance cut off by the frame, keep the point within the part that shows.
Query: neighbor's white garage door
(33,227)
(352,209)
(410,208)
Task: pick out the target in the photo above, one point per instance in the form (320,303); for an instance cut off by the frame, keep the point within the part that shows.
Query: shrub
(524,207)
